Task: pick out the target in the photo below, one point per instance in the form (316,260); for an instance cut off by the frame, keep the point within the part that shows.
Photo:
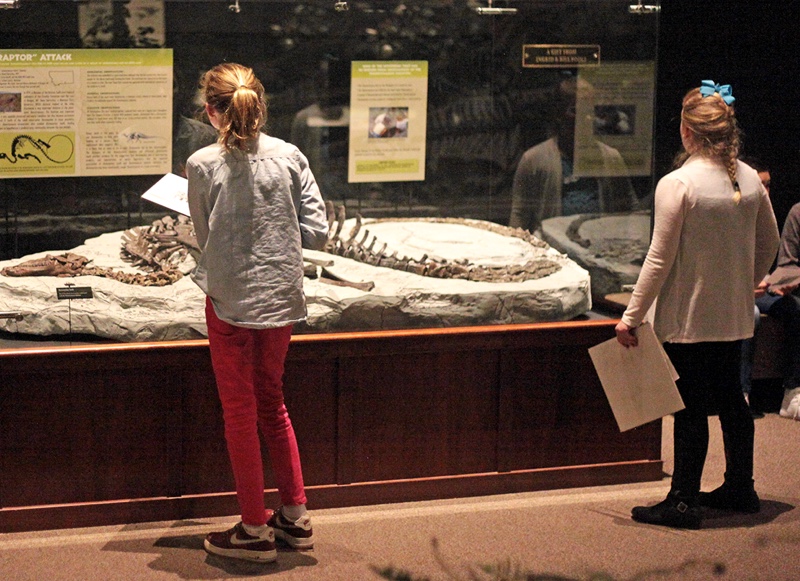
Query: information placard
(74,292)
(85,112)
(614,108)
(388,121)
(560,56)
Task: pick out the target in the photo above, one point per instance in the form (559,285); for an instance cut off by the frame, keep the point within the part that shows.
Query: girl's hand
(761,289)
(626,335)
(783,290)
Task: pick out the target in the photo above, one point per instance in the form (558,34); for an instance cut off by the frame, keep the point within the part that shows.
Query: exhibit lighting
(640,8)
(341,6)
(491,10)
(9,3)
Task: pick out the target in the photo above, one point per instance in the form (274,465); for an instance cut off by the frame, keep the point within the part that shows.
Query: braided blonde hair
(714,131)
(238,96)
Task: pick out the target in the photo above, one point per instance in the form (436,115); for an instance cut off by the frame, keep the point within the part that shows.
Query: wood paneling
(126,433)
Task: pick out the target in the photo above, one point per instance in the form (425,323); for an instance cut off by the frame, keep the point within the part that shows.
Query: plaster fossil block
(403,299)
(611,247)
(343,293)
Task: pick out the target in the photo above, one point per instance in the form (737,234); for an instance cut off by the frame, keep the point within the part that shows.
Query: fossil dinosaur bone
(71,264)
(67,264)
(363,250)
(160,246)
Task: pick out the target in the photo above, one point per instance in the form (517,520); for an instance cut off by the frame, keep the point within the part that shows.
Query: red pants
(248,366)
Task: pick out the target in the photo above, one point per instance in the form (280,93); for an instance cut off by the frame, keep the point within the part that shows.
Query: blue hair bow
(710,87)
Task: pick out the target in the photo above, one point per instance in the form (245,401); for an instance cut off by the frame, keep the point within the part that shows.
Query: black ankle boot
(739,498)
(675,511)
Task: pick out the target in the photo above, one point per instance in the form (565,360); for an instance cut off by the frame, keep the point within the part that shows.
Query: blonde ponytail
(235,92)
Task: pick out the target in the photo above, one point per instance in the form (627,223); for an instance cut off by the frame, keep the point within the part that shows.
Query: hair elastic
(708,88)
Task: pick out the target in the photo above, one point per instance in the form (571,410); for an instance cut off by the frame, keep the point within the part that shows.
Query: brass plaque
(74,292)
(560,55)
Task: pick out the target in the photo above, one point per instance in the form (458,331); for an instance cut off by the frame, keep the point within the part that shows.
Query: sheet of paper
(171,191)
(639,382)
(784,276)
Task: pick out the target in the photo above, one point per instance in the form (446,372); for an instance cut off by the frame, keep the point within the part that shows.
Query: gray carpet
(572,534)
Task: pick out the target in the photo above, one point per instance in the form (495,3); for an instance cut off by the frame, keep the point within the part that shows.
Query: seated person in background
(748,345)
(544,182)
(781,299)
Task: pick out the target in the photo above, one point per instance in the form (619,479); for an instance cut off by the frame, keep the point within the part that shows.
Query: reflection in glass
(507,144)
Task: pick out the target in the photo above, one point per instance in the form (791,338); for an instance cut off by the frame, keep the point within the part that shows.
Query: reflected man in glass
(546,184)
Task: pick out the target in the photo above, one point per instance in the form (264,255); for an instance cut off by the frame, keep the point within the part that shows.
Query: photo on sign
(10,102)
(614,119)
(134,23)
(388,122)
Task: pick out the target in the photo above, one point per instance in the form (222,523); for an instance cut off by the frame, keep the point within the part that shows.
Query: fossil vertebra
(369,250)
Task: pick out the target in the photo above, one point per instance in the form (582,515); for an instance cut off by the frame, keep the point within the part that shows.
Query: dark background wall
(755,47)
(750,44)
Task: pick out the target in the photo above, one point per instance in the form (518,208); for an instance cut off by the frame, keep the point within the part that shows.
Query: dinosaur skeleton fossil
(160,248)
(368,249)
(622,250)
(157,250)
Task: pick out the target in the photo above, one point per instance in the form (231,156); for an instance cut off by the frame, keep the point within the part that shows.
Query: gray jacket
(253,214)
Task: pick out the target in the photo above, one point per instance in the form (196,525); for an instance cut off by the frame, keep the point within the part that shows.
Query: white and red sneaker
(790,408)
(297,534)
(237,543)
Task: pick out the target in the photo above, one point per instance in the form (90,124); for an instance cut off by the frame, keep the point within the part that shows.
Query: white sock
(294,512)
(256,531)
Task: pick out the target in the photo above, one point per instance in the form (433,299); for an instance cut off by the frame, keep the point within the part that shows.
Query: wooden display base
(112,434)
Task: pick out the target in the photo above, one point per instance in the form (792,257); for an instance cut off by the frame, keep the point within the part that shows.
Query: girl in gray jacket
(255,204)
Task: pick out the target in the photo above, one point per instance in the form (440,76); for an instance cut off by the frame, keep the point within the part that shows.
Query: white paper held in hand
(639,382)
(171,191)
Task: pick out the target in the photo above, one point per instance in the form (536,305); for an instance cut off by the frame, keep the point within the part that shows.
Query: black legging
(787,309)
(710,384)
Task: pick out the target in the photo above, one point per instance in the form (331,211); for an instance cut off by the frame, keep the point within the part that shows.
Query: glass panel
(530,114)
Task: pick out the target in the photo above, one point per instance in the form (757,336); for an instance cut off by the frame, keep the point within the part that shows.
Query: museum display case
(488,172)
(452,116)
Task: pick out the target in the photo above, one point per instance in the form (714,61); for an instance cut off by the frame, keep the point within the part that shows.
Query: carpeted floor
(560,534)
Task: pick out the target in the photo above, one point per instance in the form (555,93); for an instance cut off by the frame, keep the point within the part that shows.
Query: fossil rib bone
(363,250)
